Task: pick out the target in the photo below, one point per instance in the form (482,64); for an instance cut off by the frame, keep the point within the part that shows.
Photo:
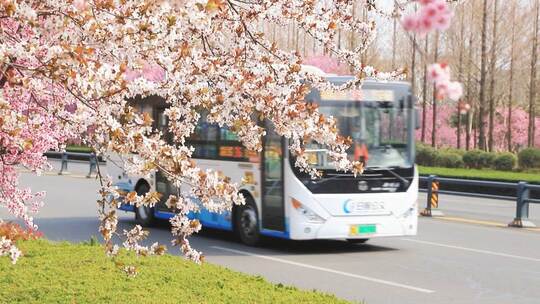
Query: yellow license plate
(362,229)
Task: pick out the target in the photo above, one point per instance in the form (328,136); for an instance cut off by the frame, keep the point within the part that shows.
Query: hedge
(529,158)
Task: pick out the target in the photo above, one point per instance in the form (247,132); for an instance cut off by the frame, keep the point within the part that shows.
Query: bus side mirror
(417,118)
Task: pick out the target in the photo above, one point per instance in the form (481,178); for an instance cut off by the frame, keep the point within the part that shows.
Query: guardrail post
(432,206)
(93,163)
(64,164)
(522,207)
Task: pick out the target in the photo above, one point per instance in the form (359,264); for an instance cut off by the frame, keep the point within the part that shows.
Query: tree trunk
(296,37)
(394,38)
(363,56)
(413,66)
(339,39)
(304,46)
(511,81)
(434,106)
(470,84)
(460,77)
(352,38)
(424,92)
(492,79)
(532,88)
(274,33)
(314,50)
(482,109)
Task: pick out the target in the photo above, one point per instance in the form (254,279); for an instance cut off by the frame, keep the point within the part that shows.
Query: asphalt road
(485,209)
(448,262)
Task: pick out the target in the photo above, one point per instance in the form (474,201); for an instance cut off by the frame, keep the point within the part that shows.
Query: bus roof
(368,81)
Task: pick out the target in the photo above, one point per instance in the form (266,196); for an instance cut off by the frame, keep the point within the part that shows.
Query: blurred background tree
(503,113)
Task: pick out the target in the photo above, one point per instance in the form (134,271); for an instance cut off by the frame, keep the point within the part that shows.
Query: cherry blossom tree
(70,67)
(447,129)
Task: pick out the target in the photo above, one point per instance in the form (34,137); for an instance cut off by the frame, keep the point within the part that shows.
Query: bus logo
(359,207)
(363,186)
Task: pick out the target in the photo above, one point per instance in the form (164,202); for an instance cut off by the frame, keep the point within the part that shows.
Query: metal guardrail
(523,199)
(92,160)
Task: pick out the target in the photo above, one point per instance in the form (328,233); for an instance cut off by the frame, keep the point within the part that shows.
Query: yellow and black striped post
(432,197)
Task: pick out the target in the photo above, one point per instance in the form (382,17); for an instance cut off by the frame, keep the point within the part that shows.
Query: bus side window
(227,135)
(205,139)
(161,124)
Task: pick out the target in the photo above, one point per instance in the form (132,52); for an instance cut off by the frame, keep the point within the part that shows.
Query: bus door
(273,208)
(163,185)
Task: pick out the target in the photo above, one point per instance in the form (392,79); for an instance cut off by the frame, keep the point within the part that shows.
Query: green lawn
(485,174)
(79,273)
(79,149)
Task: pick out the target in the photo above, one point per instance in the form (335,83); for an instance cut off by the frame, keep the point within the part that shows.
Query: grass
(81,273)
(484,174)
(79,149)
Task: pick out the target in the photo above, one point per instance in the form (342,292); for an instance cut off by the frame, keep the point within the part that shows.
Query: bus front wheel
(247,223)
(144,215)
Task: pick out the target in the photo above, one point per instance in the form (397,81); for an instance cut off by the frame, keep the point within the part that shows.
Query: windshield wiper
(322,180)
(401,178)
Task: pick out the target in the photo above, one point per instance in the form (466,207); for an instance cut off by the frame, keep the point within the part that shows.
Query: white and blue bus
(283,202)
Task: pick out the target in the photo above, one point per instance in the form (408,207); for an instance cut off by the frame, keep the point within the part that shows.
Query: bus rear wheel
(247,223)
(144,215)
(357,241)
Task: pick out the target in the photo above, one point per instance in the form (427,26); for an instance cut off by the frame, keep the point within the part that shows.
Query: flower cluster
(433,15)
(439,74)
(7,248)
(136,235)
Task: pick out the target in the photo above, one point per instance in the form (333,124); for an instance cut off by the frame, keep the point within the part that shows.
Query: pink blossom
(410,22)
(80,5)
(447,130)
(150,71)
(455,90)
(438,73)
(71,108)
(327,64)
(8,248)
(153,72)
(130,75)
(433,15)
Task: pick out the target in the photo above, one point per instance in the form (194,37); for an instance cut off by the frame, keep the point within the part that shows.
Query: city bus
(282,201)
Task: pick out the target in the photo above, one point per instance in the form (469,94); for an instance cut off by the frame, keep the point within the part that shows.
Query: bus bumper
(357,227)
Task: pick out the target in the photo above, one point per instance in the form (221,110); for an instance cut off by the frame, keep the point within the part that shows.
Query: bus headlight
(409,212)
(311,216)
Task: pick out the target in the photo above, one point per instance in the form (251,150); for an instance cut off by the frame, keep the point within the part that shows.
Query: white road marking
(506,255)
(347,274)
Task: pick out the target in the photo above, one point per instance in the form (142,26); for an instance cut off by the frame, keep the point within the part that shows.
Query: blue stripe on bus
(274,233)
(279,234)
(126,207)
(214,220)
(216,226)
(124,186)
(220,223)
(163,215)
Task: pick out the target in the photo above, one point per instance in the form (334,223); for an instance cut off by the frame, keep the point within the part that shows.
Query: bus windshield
(377,121)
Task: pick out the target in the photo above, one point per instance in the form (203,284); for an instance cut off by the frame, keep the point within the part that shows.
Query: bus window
(161,123)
